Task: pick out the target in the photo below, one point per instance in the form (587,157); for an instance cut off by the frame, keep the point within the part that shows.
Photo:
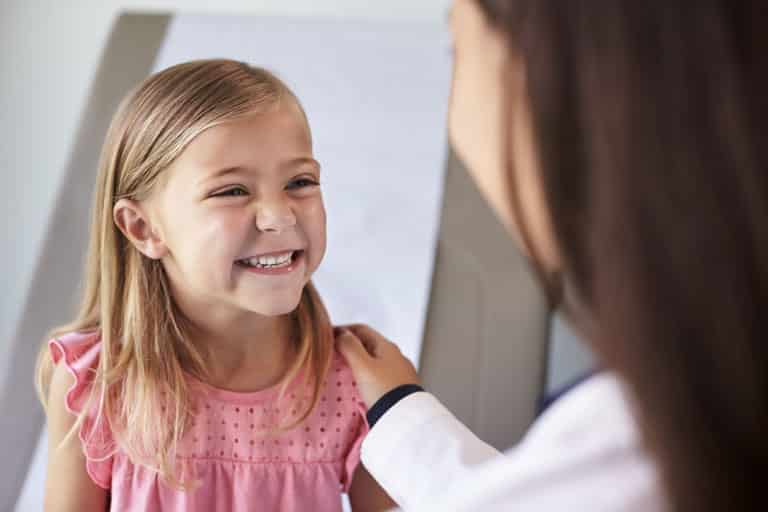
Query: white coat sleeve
(583,453)
(417,449)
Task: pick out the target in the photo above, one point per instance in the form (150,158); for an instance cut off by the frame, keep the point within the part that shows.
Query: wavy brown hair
(127,298)
(651,123)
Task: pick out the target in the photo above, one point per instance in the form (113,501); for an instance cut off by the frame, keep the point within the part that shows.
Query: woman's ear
(135,224)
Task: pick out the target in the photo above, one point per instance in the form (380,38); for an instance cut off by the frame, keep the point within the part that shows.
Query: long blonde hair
(139,388)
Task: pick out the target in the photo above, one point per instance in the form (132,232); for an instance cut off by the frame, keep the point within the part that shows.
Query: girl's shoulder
(77,353)
(341,380)
(340,399)
(75,346)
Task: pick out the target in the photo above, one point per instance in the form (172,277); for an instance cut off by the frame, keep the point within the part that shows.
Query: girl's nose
(274,216)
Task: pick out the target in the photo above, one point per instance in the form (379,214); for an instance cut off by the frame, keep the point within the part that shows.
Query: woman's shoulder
(597,402)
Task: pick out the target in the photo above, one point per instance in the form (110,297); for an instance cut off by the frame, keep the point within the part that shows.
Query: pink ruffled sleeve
(79,352)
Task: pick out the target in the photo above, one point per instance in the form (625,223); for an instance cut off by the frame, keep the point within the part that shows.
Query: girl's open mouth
(275,263)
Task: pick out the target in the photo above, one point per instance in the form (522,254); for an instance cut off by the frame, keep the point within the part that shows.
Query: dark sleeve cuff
(389,399)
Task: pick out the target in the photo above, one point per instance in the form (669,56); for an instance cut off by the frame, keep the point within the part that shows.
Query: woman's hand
(377,363)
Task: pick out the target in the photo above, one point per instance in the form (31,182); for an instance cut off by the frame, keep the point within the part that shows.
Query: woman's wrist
(389,399)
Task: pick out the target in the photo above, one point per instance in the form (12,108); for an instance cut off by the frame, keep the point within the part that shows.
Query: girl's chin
(276,307)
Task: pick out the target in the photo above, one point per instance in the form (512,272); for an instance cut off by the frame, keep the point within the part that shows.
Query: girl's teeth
(270,261)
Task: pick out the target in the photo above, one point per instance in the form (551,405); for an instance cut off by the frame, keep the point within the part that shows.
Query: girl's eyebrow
(219,173)
(298,162)
(288,165)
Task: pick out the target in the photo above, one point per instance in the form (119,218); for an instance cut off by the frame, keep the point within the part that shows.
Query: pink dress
(240,469)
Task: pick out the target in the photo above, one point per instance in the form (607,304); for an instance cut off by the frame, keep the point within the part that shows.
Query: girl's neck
(247,356)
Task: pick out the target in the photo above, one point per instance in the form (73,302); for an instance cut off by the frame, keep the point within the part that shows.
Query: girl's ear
(135,224)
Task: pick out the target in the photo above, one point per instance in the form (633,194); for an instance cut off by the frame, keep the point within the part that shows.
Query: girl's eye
(236,191)
(302,183)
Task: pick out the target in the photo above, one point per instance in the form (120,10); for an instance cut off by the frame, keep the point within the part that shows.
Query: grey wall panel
(487,332)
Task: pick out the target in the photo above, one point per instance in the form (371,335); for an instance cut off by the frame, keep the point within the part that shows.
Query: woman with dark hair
(623,144)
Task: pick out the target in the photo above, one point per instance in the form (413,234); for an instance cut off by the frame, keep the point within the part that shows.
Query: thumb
(351,347)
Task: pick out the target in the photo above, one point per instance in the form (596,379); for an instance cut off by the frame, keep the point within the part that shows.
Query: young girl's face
(241,218)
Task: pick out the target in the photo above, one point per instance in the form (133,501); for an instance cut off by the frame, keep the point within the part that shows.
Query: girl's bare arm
(366,495)
(68,487)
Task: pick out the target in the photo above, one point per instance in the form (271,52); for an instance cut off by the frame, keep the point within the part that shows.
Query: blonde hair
(139,387)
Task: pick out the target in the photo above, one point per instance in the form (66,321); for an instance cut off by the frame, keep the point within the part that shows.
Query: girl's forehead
(264,136)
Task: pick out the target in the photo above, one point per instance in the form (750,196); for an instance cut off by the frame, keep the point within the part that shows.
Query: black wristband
(389,399)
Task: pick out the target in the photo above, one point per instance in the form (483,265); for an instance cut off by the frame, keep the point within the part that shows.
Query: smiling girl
(200,372)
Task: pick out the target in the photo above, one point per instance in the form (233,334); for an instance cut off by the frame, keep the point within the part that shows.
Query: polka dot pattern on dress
(240,427)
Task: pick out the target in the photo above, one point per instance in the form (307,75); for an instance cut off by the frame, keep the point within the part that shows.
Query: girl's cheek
(229,220)
(316,208)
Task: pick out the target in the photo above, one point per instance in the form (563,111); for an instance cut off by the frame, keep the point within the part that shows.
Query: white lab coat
(583,453)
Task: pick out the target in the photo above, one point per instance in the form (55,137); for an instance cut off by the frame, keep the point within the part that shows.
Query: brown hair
(650,122)
(127,300)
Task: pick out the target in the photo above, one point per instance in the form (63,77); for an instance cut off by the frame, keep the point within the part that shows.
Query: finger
(370,342)
(367,334)
(371,336)
(351,347)
(340,329)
